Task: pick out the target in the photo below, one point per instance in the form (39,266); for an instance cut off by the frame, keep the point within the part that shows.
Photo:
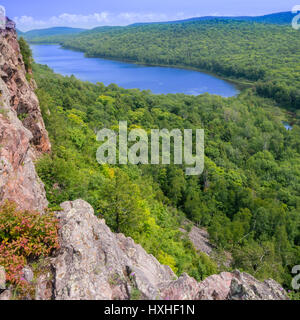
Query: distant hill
(20,33)
(50,32)
(274,18)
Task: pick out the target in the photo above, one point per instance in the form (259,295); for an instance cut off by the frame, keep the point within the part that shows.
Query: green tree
(121,204)
(26,53)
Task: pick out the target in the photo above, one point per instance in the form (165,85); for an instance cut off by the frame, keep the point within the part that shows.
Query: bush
(24,236)
(26,53)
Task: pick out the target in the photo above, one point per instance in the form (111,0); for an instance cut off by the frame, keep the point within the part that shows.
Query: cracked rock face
(22,97)
(96,264)
(18,179)
(20,143)
(239,286)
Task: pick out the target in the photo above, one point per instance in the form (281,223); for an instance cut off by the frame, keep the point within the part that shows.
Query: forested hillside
(248,196)
(262,55)
(56,31)
(273,18)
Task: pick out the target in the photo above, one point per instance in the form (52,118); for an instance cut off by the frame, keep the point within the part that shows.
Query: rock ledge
(96,264)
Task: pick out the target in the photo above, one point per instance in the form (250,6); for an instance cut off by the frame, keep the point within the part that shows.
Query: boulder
(2,278)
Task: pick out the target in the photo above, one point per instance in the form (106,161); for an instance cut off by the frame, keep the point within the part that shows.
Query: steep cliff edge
(20,142)
(22,97)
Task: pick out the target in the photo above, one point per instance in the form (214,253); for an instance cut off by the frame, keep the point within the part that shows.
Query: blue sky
(35,14)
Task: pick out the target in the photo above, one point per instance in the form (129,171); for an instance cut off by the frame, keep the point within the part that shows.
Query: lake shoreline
(238,84)
(131,74)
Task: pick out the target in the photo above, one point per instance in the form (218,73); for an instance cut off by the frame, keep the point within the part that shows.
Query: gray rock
(245,287)
(28,274)
(200,239)
(44,287)
(2,278)
(239,286)
(5,295)
(96,264)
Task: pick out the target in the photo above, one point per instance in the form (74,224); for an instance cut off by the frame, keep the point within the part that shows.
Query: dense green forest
(273,18)
(26,53)
(248,196)
(50,32)
(264,56)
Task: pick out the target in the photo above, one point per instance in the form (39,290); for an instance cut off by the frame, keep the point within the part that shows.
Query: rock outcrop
(22,97)
(2,279)
(200,239)
(21,142)
(96,264)
(239,286)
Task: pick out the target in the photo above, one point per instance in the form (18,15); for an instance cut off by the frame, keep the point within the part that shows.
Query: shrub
(26,53)
(24,236)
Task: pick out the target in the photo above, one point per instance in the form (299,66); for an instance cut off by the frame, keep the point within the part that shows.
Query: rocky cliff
(92,263)
(21,142)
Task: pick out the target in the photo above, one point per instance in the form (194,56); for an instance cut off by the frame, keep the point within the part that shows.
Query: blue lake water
(160,80)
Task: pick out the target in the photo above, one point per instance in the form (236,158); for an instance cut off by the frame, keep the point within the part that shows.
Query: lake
(160,80)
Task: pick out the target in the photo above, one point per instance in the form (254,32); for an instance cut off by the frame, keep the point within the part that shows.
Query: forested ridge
(247,198)
(265,56)
(273,18)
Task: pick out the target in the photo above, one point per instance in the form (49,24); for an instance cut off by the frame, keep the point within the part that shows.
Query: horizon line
(158,22)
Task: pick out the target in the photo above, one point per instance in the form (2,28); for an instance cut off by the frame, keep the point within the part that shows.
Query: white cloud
(26,23)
